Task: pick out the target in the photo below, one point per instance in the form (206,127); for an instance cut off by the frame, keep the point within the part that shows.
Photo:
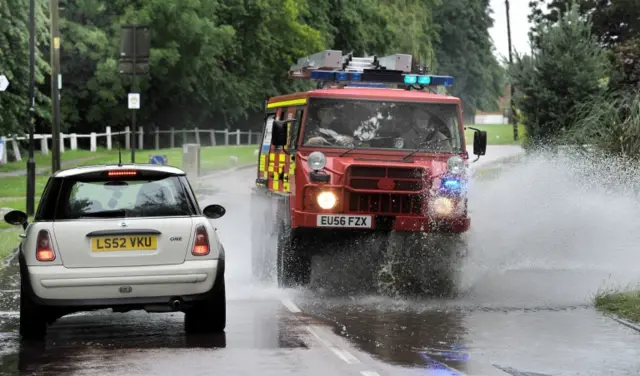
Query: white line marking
(369,373)
(339,352)
(9,314)
(290,306)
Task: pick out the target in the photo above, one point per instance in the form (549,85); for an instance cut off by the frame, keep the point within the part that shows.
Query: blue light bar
(387,77)
(412,79)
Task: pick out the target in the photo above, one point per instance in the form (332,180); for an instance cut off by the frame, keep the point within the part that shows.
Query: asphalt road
(525,308)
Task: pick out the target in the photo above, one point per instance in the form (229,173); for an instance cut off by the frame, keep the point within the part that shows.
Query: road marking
(290,305)
(369,373)
(339,352)
(9,314)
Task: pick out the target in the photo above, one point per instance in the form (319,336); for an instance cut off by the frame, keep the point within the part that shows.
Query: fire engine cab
(378,147)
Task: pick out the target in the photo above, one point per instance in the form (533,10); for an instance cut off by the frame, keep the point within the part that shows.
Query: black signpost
(135,45)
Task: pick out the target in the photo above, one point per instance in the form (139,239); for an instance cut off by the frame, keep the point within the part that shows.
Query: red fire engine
(377,147)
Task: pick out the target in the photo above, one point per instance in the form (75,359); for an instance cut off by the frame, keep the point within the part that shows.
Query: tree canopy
(214,62)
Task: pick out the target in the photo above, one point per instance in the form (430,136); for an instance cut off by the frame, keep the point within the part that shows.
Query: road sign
(134,101)
(4,82)
(158,160)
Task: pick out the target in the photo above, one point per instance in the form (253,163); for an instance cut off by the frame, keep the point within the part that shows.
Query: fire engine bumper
(305,220)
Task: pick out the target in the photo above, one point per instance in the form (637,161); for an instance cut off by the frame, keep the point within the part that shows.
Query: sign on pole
(134,101)
(4,82)
(158,160)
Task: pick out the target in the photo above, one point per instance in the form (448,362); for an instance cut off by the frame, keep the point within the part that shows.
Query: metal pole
(31,162)
(55,91)
(134,89)
(512,117)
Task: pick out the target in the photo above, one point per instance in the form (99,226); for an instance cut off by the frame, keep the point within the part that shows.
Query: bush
(566,70)
(611,123)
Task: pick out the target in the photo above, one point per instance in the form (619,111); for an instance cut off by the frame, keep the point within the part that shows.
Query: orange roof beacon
(377,150)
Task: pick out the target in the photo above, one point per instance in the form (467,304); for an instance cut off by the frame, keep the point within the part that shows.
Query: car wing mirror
(17,218)
(214,211)
(479,142)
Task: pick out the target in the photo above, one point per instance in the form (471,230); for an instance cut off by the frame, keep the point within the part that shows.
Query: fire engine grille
(384,203)
(404,179)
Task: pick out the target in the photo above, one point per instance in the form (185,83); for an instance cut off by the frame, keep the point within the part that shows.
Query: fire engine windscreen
(372,124)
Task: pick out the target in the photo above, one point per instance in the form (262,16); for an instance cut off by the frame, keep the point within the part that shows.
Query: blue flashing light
(342,76)
(410,79)
(323,75)
(355,76)
(450,184)
(424,80)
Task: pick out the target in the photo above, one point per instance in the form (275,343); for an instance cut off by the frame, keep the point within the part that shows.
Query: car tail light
(44,248)
(123,173)
(201,245)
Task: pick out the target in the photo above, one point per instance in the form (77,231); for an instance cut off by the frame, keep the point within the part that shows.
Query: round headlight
(455,164)
(327,200)
(316,161)
(442,206)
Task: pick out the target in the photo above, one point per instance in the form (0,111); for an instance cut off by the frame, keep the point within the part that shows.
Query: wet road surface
(521,313)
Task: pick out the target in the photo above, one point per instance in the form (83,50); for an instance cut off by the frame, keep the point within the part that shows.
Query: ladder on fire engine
(332,68)
(335,60)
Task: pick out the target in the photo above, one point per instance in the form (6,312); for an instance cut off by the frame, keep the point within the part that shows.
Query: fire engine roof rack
(332,66)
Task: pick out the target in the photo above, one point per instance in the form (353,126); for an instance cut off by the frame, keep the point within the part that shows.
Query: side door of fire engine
(292,113)
(279,163)
(265,148)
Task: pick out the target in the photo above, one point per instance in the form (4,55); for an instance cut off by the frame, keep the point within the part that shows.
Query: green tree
(465,51)
(552,83)
(14,63)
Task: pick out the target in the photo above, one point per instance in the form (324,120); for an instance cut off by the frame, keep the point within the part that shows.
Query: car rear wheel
(208,316)
(33,322)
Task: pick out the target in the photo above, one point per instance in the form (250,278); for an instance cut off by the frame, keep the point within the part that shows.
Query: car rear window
(122,198)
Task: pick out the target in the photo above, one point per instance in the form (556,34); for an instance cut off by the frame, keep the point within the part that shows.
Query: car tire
(294,263)
(208,316)
(33,322)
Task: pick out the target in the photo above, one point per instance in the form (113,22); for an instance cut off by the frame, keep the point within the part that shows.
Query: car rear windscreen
(122,198)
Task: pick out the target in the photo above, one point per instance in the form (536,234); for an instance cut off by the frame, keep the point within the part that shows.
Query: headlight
(455,164)
(441,206)
(316,161)
(327,200)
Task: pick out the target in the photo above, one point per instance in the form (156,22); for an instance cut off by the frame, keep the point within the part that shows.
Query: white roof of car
(97,168)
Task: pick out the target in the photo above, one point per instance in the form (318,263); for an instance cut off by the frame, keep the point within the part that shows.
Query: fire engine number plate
(351,221)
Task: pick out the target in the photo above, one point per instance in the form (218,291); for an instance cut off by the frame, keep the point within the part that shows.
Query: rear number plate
(351,221)
(124,243)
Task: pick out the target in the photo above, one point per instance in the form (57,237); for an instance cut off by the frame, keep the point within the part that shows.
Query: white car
(125,237)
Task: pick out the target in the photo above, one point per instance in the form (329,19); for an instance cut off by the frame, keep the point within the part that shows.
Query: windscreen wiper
(348,151)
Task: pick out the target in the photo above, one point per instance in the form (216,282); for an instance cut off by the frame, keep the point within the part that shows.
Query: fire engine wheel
(294,265)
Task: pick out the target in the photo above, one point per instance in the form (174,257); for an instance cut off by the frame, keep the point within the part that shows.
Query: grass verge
(8,242)
(497,134)
(624,304)
(212,159)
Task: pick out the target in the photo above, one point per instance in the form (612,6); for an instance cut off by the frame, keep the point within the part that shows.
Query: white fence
(491,119)
(71,140)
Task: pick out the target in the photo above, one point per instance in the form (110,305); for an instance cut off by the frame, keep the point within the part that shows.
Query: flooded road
(524,310)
